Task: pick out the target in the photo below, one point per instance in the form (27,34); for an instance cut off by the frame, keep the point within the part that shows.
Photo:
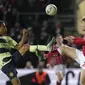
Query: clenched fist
(25,32)
(69,39)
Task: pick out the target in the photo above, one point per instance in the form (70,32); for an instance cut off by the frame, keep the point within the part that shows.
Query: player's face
(82,26)
(54,47)
(3,29)
(59,39)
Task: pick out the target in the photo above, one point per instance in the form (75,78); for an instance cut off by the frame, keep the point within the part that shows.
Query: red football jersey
(80,41)
(54,58)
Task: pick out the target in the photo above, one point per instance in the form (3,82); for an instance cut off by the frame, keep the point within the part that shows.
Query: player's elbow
(18,46)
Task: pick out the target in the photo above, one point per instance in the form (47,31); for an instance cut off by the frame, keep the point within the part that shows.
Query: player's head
(59,38)
(82,26)
(3,28)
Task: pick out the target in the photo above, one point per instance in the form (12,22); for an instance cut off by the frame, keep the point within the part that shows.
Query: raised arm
(23,40)
(79,41)
(75,40)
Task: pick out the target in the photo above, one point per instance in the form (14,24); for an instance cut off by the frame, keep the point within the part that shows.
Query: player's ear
(5,30)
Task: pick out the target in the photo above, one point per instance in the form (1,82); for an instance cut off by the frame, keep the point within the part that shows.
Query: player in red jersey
(74,53)
(56,61)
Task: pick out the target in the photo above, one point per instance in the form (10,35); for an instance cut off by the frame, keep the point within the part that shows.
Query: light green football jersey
(6,43)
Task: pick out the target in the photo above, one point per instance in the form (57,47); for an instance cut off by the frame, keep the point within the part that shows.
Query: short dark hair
(2,22)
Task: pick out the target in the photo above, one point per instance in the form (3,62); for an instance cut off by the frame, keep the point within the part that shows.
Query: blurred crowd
(41,27)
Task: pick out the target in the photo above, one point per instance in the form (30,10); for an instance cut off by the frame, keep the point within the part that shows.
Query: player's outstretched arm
(79,41)
(75,40)
(23,40)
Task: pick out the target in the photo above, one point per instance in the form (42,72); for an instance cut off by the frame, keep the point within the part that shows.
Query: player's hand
(25,32)
(72,37)
(69,39)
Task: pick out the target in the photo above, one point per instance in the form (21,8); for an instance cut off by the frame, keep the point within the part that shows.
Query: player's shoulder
(7,37)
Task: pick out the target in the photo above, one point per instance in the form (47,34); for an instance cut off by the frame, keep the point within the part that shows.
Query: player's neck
(59,44)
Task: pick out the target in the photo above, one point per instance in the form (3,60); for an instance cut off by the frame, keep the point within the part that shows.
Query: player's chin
(82,32)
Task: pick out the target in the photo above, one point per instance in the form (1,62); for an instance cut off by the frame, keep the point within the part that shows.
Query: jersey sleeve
(12,42)
(78,41)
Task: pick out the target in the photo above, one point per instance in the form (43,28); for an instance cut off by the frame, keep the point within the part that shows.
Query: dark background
(30,14)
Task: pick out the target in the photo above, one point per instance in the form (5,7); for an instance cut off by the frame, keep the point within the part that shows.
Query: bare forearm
(24,49)
(24,38)
(21,43)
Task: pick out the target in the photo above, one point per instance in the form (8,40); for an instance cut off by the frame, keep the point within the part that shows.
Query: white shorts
(80,59)
(60,68)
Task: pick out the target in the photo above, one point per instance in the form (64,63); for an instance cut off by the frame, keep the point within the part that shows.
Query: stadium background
(30,14)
